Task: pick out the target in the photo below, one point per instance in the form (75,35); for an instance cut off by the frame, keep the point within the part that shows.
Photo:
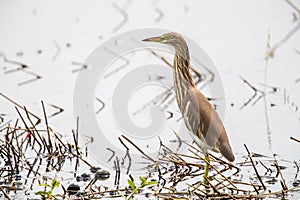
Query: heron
(200,117)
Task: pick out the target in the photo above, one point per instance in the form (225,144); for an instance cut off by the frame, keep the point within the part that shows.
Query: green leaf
(44,185)
(143,180)
(55,183)
(151,183)
(42,193)
(131,184)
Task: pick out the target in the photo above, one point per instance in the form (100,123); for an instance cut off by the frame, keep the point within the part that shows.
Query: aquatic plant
(49,193)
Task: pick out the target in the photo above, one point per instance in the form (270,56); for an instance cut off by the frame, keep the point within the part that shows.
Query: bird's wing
(205,123)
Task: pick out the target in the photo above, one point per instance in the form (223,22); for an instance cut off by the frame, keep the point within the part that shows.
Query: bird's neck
(183,79)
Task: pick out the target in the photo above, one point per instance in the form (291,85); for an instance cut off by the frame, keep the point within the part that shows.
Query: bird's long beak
(153,39)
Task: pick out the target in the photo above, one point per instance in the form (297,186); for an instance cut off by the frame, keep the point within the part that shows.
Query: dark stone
(73,189)
(296,183)
(85,177)
(102,175)
(94,169)
(127,192)
(79,178)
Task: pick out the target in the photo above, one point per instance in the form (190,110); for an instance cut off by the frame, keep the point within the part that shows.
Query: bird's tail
(226,151)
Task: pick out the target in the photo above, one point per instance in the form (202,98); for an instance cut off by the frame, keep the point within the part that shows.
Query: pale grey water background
(233,34)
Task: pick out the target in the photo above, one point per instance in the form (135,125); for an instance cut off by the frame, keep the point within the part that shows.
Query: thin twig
(138,149)
(257,174)
(295,139)
(265,91)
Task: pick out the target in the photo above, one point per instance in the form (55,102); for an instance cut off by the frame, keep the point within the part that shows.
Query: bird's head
(175,40)
(172,38)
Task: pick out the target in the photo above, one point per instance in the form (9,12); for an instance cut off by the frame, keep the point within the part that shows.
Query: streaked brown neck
(183,79)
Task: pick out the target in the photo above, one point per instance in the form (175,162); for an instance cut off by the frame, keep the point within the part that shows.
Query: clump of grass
(136,188)
(48,194)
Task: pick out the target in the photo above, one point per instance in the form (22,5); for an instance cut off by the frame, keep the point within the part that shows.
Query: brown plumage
(199,115)
(204,122)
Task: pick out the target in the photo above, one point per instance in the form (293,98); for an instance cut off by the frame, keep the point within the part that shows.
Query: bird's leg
(207,160)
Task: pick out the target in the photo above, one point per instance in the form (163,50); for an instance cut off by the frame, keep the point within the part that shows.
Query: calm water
(50,37)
